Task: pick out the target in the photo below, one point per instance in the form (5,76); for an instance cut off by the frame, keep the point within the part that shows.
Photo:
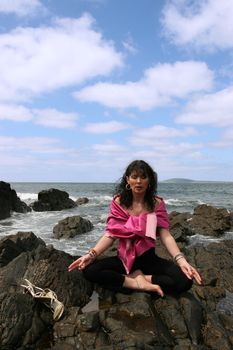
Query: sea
(180,197)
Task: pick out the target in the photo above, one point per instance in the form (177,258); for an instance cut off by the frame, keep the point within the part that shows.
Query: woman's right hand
(81,262)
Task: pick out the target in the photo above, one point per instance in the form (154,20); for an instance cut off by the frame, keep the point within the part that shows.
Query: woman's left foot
(144,284)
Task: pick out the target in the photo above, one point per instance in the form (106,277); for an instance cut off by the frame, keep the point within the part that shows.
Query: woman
(136,216)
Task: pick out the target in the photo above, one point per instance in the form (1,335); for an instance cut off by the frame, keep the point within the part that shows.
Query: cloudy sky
(87,86)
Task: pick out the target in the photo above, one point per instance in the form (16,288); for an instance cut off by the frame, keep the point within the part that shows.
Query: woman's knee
(90,273)
(184,284)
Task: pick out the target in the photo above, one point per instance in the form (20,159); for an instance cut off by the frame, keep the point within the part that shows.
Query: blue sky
(86,86)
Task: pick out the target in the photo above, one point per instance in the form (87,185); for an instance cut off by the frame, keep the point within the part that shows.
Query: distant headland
(179,180)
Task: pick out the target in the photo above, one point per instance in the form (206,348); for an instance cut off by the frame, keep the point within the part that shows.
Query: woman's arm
(170,244)
(103,244)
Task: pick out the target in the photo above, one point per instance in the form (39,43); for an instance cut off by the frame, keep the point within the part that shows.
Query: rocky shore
(95,318)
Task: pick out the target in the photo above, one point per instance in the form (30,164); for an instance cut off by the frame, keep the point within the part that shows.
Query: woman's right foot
(144,284)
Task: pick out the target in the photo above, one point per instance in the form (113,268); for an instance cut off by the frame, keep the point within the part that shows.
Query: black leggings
(110,272)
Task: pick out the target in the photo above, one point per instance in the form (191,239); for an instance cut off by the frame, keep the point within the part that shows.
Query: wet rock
(82,200)
(72,226)
(9,201)
(208,220)
(22,320)
(179,225)
(13,245)
(195,320)
(215,335)
(52,200)
(205,220)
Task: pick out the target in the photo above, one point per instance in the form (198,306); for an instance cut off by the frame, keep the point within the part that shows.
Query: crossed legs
(149,273)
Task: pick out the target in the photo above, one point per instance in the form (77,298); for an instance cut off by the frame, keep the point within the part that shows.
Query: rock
(179,225)
(13,245)
(206,220)
(82,200)
(196,320)
(52,200)
(72,226)
(215,334)
(9,201)
(211,221)
(22,319)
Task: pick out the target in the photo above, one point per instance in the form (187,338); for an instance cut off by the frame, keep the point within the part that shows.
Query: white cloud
(156,132)
(38,60)
(32,145)
(164,142)
(109,148)
(214,109)
(15,113)
(20,7)
(54,118)
(207,23)
(226,139)
(168,148)
(129,45)
(159,85)
(105,128)
(49,117)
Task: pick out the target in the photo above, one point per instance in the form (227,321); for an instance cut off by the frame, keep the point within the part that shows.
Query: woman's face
(138,182)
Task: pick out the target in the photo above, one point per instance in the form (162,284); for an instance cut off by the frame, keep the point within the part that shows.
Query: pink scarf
(136,234)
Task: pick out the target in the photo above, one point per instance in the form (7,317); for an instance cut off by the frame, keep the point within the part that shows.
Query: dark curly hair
(143,168)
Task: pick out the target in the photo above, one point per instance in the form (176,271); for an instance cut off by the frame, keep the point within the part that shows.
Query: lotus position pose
(137,215)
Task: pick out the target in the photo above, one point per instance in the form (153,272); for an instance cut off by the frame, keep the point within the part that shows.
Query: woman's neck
(138,198)
(138,205)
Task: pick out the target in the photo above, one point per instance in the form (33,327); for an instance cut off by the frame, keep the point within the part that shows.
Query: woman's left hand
(189,271)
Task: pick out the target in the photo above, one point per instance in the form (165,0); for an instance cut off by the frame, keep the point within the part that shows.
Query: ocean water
(181,197)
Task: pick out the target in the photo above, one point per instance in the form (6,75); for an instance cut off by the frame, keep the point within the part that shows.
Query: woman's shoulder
(116,199)
(158,201)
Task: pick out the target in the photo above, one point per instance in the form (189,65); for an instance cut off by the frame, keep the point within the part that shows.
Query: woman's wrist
(92,253)
(179,256)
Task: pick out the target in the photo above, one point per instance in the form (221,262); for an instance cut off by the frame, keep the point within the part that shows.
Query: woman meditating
(137,215)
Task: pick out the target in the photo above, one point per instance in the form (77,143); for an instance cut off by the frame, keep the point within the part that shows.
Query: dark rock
(82,200)
(193,316)
(21,319)
(215,335)
(194,320)
(72,226)
(13,245)
(52,200)
(21,323)
(206,220)
(9,201)
(179,225)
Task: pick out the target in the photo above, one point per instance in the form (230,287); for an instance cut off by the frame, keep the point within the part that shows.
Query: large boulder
(9,201)
(179,225)
(72,226)
(205,220)
(209,220)
(13,245)
(82,200)
(96,318)
(53,200)
(192,320)
(23,320)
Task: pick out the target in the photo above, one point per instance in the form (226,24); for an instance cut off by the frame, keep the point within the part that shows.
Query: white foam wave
(205,240)
(27,196)
(175,202)
(99,200)
(182,203)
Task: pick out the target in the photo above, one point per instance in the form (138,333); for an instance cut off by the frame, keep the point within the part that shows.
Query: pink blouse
(136,233)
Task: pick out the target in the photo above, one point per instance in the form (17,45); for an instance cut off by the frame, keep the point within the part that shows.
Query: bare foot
(144,284)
